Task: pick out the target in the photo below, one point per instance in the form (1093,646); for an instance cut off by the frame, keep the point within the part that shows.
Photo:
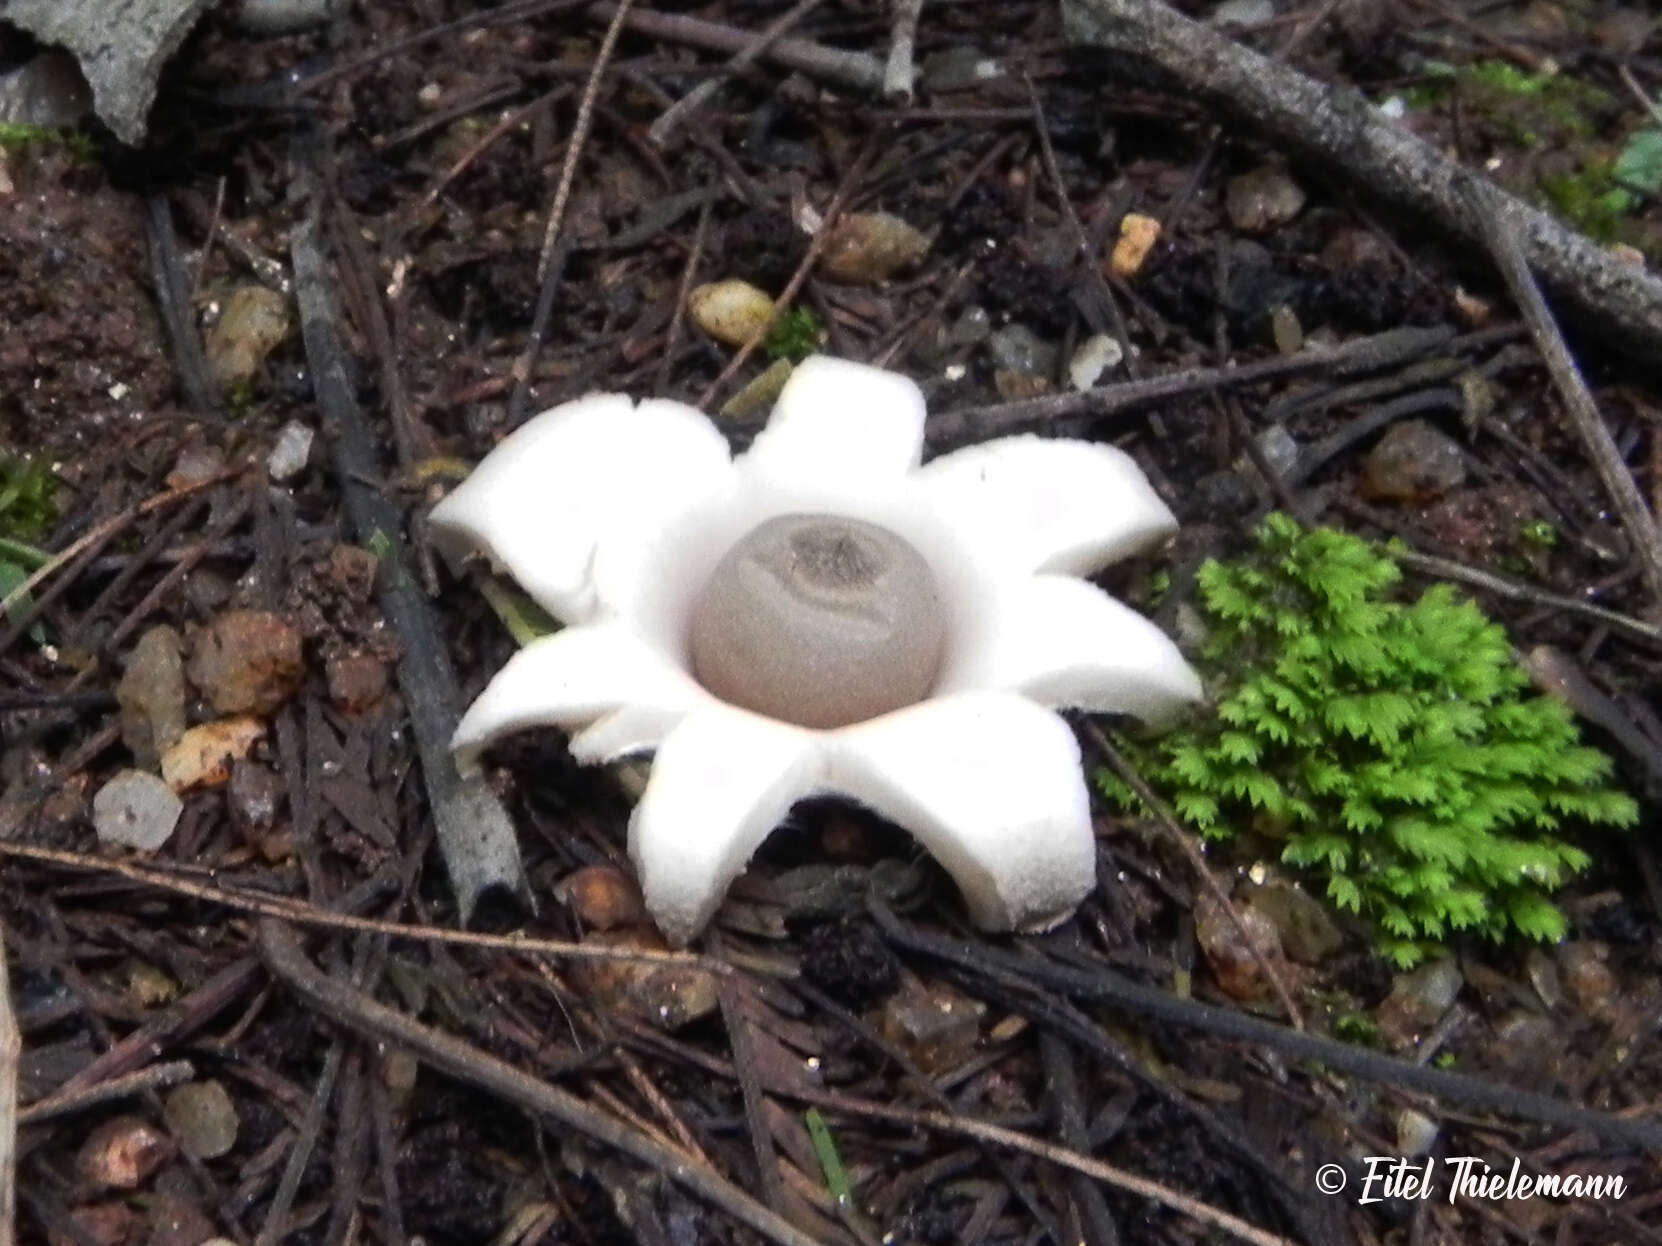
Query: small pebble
(254,321)
(867,247)
(1417,999)
(151,694)
(202,757)
(95,1224)
(1016,348)
(1286,330)
(730,311)
(136,810)
(667,996)
(1231,959)
(1263,199)
(1308,934)
(289,456)
(201,1118)
(247,661)
(1413,461)
(122,1153)
(1416,1132)
(602,898)
(1588,981)
(252,795)
(197,462)
(357,682)
(1138,234)
(46,90)
(1096,354)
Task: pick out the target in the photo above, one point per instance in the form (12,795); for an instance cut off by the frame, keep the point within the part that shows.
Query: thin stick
(1489,582)
(300,913)
(1504,249)
(858,70)
(660,130)
(11,1046)
(97,536)
(280,949)
(788,294)
(903,35)
(1063,1157)
(548,271)
(156,1077)
(579,136)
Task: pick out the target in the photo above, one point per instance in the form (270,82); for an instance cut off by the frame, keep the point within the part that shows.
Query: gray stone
(135,810)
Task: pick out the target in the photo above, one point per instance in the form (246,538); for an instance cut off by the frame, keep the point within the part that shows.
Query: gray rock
(151,694)
(121,45)
(1016,348)
(47,90)
(135,810)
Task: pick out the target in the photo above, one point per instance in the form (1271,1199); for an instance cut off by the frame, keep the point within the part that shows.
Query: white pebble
(1094,357)
(294,447)
(135,810)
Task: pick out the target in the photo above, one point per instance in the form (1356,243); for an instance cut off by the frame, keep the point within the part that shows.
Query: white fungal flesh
(543,500)
(616,517)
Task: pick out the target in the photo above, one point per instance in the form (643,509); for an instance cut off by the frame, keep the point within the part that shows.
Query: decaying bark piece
(1339,127)
(121,45)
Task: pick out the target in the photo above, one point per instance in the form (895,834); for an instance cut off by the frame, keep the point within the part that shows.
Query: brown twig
(93,540)
(817,244)
(551,256)
(660,130)
(1382,350)
(678,315)
(848,69)
(299,913)
(1500,236)
(280,949)
(1063,1157)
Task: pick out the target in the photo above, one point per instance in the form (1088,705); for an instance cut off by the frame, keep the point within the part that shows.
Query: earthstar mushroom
(822,616)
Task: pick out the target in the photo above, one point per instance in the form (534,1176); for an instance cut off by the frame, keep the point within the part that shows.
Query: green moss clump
(1388,746)
(795,335)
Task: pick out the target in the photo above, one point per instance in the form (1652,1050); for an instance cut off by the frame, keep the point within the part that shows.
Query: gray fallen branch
(1344,132)
(475,836)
